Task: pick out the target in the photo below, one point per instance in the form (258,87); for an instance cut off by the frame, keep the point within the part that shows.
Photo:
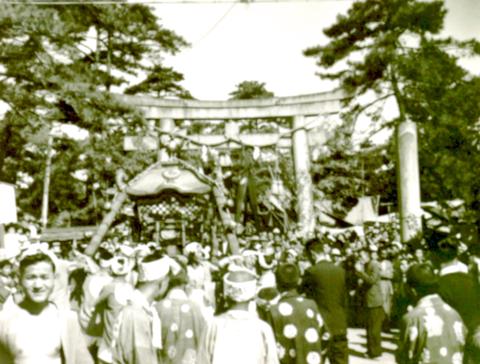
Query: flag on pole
(8,212)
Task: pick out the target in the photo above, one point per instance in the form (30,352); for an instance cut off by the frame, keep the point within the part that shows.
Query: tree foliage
(57,66)
(391,49)
(248,90)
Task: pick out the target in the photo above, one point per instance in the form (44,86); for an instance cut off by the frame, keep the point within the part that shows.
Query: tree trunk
(5,135)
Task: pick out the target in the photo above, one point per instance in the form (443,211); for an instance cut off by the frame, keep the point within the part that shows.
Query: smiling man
(35,330)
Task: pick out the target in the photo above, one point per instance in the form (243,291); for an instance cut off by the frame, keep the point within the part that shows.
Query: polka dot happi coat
(182,324)
(297,325)
(432,332)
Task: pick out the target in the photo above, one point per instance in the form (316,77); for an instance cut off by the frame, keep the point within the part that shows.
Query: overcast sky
(234,42)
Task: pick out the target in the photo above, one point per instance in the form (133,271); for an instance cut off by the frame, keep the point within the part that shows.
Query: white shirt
(32,339)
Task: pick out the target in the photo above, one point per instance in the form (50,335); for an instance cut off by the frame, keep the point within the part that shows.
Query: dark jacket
(324,282)
(459,291)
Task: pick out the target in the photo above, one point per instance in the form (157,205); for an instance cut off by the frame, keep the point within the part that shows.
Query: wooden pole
(46,182)
(109,218)
(107,221)
(225,216)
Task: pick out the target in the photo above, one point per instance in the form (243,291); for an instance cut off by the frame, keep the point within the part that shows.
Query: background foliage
(57,64)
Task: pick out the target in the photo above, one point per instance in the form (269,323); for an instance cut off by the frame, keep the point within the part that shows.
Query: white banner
(8,206)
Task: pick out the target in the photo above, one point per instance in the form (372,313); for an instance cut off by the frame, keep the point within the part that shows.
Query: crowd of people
(281,299)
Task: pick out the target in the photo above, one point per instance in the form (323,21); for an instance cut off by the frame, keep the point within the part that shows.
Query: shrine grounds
(357,343)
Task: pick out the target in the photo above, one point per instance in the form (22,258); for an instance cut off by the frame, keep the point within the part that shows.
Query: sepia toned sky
(263,41)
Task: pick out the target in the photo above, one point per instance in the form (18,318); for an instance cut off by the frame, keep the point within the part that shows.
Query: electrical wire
(147,2)
(212,28)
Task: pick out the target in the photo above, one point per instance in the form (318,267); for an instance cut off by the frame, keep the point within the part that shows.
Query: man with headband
(238,336)
(36,330)
(139,337)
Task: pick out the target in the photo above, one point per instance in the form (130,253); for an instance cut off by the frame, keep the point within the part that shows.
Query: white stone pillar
(301,160)
(166,125)
(408,181)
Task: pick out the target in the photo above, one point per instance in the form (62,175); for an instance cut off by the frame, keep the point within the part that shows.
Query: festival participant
(325,283)
(182,323)
(13,240)
(386,277)
(111,300)
(432,332)
(238,336)
(139,335)
(374,301)
(266,266)
(336,256)
(200,286)
(172,247)
(93,285)
(7,286)
(250,258)
(265,299)
(37,331)
(458,288)
(289,256)
(91,288)
(296,322)
(67,261)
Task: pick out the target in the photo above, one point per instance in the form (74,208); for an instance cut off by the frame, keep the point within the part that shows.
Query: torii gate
(305,111)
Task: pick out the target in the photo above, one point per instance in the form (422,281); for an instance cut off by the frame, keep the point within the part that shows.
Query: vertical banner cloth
(8,206)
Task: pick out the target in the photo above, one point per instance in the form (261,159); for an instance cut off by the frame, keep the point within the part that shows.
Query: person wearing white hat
(238,336)
(138,332)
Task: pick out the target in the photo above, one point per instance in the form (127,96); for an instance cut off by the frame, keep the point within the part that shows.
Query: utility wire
(147,2)
(212,28)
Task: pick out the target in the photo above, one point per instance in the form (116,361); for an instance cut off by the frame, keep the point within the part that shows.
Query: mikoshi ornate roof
(167,176)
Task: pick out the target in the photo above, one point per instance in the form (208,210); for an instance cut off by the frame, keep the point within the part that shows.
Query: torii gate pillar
(301,158)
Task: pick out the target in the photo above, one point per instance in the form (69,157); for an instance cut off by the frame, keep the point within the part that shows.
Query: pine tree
(391,49)
(59,65)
